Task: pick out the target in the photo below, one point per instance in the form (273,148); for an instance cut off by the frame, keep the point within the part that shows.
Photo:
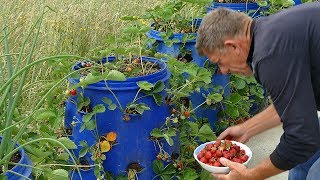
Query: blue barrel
(174,50)
(23,170)
(297,2)
(253,9)
(133,136)
(197,99)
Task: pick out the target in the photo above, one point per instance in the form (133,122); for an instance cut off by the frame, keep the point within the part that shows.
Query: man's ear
(233,45)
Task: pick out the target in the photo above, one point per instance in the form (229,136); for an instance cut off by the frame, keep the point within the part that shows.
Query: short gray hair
(216,26)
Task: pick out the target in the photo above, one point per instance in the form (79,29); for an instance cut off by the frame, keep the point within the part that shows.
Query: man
(283,52)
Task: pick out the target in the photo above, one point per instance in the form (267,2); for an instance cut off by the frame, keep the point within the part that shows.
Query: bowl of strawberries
(208,155)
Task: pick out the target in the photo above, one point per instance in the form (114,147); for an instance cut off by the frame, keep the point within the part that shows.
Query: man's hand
(237,171)
(237,133)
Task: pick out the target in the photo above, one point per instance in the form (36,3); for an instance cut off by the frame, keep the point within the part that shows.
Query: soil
(84,162)
(15,159)
(129,67)
(136,166)
(86,109)
(234,1)
(68,132)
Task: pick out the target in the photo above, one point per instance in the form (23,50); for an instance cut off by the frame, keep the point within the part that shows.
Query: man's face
(230,60)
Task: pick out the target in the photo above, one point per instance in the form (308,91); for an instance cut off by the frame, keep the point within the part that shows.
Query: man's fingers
(223,134)
(228,163)
(219,176)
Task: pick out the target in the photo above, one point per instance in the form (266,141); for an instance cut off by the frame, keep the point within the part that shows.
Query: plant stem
(198,106)
(17,174)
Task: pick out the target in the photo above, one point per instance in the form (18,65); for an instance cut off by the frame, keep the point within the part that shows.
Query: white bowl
(220,170)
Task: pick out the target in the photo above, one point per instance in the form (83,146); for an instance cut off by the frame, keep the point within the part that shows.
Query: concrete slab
(263,145)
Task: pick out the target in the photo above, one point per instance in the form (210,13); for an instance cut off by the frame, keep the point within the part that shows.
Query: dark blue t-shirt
(285,57)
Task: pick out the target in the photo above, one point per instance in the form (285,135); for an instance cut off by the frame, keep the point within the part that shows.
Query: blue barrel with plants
(186,52)
(207,111)
(118,116)
(180,45)
(22,171)
(251,8)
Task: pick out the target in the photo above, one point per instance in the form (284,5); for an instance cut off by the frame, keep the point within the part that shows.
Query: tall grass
(73,27)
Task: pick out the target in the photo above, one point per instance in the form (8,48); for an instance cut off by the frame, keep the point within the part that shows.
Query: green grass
(72,27)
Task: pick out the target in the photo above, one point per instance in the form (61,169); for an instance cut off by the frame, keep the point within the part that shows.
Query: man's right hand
(237,133)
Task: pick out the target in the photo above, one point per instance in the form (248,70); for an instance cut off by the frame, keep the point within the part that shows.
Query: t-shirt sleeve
(287,79)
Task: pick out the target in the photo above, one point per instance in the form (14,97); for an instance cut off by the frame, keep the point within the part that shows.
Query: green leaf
(194,128)
(63,156)
(83,151)
(144,85)
(112,107)
(204,75)
(115,75)
(91,125)
(67,142)
(235,98)
(207,133)
(3,177)
(168,139)
(91,79)
(239,83)
(60,174)
(131,30)
(170,132)
(87,117)
(216,97)
(107,101)
(141,107)
(262,3)
(189,174)
(122,177)
(83,143)
(145,29)
(45,114)
(158,87)
(169,170)
(166,177)
(205,175)
(157,166)
(99,108)
(232,111)
(156,133)
(157,98)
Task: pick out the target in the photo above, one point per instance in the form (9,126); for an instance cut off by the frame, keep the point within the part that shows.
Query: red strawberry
(218,153)
(204,160)
(208,155)
(217,164)
(244,158)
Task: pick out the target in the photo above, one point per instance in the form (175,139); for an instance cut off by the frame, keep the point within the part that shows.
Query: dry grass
(73,27)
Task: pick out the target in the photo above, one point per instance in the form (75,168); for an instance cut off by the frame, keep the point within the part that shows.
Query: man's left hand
(237,171)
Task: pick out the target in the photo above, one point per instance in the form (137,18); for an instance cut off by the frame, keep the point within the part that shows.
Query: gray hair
(216,26)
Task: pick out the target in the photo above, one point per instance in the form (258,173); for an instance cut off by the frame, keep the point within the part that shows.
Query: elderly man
(283,52)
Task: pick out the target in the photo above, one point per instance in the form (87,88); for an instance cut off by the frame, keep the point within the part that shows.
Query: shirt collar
(250,55)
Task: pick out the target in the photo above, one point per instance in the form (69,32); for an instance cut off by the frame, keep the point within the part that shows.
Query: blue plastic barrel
(253,9)
(297,2)
(174,50)
(197,99)
(23,170)
(133,136)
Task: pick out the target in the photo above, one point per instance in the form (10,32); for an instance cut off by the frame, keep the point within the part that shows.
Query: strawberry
(73,92)
(217,164)
(187,114)
(208,155)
